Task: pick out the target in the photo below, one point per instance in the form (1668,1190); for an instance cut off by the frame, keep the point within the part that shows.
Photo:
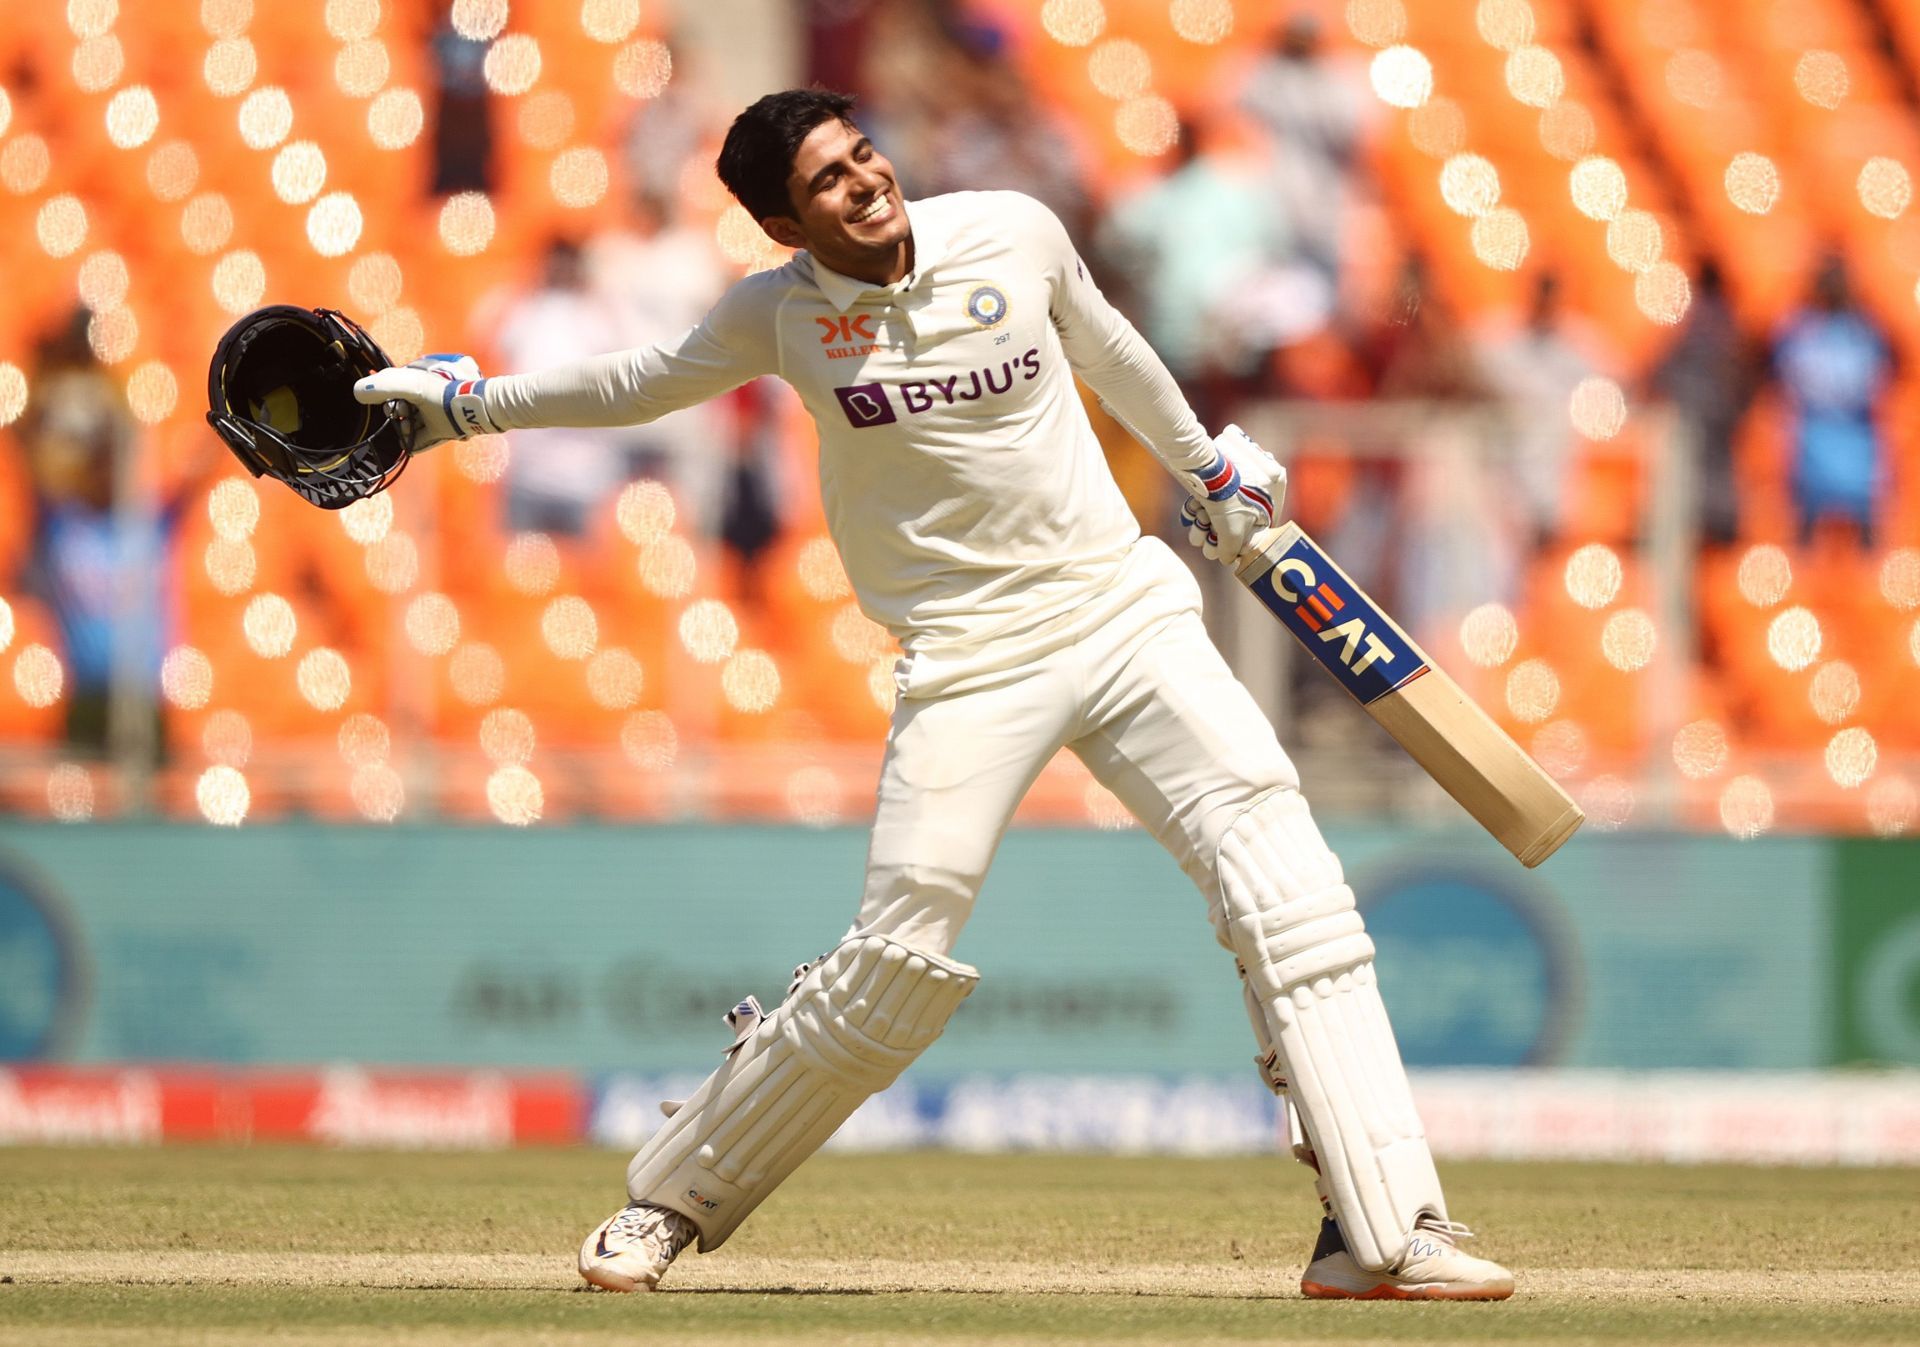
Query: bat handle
(1263,549)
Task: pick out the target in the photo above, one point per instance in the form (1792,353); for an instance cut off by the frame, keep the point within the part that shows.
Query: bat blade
(1425,711)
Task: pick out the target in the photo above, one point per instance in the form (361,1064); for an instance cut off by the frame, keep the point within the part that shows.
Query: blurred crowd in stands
(1253,253)
(1259,239)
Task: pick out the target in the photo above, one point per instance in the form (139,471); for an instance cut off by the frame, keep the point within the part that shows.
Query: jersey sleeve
(1114,359)
(733,344)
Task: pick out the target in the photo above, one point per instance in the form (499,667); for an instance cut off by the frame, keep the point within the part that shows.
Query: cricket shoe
(1432,1268)
(634,1247)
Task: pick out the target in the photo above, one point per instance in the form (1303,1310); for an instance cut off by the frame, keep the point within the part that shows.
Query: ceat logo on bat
(1337,623)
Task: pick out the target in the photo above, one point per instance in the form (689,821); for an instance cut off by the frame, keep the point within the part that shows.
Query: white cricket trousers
(1146,702)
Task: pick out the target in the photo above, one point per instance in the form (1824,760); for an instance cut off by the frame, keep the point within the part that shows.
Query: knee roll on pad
(856,1020)
(1291,921)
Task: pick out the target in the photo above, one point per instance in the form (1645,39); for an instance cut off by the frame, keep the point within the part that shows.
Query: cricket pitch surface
(155,1247)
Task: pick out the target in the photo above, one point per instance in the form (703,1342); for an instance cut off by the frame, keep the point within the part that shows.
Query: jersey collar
(930,244)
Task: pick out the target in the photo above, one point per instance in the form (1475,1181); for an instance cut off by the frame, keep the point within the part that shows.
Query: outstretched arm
(445,398)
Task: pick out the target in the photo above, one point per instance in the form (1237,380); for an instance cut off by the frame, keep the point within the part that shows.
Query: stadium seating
(156,136)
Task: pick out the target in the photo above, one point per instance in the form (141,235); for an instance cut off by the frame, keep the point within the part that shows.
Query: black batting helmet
(280,392)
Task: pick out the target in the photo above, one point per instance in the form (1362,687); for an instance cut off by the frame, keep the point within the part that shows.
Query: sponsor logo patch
(848,335)
(871,405)
(699,1199)
(846,328)
(468,404)
(866,405)
(1346,633)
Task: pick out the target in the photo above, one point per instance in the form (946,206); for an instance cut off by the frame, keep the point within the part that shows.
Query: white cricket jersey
(963,485)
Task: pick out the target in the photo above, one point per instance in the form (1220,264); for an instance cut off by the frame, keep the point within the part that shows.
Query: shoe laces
(1451,1231)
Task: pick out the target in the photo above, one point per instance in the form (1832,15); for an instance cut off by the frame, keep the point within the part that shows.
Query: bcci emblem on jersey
(987,306)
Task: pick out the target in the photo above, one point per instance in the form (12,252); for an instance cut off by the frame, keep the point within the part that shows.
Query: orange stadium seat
(1605,492)
(16,511)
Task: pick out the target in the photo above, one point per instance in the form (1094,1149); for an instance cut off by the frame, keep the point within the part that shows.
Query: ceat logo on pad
(866,405)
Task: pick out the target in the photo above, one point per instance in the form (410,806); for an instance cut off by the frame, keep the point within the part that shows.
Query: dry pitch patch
(877,1276)
(294,1246)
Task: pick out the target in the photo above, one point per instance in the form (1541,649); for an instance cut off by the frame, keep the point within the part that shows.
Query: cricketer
(935,344)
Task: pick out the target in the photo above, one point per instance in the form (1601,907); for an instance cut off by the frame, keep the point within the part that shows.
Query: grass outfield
(176,1246)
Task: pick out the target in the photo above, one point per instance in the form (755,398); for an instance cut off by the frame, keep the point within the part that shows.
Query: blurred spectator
(1420,350)
(659,277)
(992,135)
(556,478)
(1433,523)
(1190,245)
(668,133)
(1710,375)
(749,519)
(99,556)
(838,36)
(904,89)
(1535,371)
(462,116)
(1834,367)
(1313,110)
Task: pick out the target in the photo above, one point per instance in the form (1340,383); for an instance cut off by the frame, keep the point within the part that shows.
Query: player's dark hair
(757,157)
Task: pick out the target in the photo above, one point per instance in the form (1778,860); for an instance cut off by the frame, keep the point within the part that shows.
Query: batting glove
(438,397)
(1243,492)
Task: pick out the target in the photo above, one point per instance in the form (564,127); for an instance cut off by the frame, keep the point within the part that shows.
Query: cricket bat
(1457,743)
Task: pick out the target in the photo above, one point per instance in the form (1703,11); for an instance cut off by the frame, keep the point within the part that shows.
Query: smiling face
(847,209)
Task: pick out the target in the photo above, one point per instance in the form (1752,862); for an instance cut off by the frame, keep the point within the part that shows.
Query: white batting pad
(1309,965)
(850,1027)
